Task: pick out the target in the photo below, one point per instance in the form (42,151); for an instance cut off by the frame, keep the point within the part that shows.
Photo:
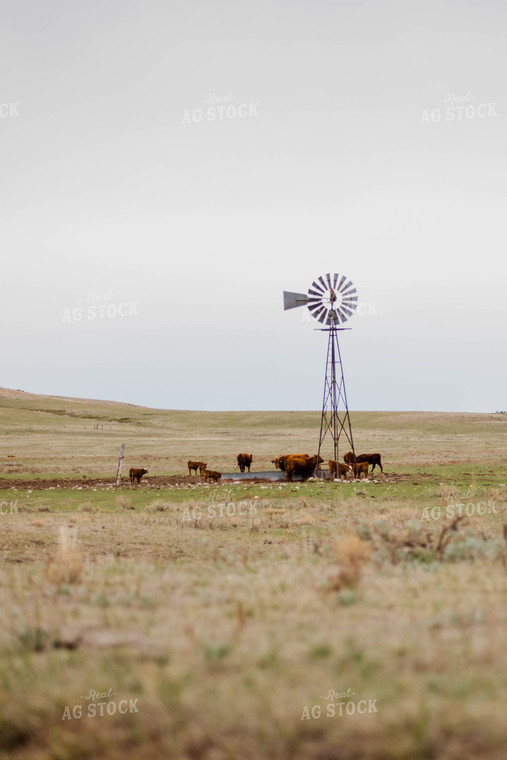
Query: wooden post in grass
(120,464)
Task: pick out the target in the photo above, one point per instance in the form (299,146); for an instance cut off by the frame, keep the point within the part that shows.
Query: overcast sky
(168,168)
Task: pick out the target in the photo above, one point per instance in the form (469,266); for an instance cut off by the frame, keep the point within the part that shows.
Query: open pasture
(249,620)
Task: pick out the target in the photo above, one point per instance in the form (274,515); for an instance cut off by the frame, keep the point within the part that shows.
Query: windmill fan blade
(350,302)
(293,300)
(323,317)
(341,283)
(348,290)
(318,314)
(321,279)
(328,278)
(318,287)
(335,280)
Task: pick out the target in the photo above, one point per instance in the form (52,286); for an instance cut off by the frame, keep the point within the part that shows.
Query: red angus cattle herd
(302,465)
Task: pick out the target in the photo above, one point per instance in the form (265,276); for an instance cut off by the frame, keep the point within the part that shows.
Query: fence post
(120,464)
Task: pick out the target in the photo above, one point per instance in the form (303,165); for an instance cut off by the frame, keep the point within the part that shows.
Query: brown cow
(373,459)
(211,475)
(196,466)
(342,469)
(244,460)
(301,465)
(279,462)
(135,475)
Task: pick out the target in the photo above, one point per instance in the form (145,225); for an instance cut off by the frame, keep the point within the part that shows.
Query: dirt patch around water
(159,481)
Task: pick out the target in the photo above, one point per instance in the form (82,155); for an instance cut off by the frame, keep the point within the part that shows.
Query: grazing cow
(301,465)
(342,469)
(279,462)
(211,475)
(373,459)
(196,466)
(361,468)
(135,475)
(244,460)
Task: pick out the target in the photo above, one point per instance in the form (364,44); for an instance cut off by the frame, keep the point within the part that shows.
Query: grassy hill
(44,435)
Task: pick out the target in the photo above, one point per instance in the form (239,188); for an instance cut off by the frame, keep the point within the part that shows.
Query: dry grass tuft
(123,501)
(446,535)
(157,506)
(351,553)
(305,520)
(67,565)
(504,531)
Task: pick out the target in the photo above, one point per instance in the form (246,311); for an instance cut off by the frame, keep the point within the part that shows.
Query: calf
(244,460)
(135,475)
(361,468)
(211,475)
(196,466)
(342,469)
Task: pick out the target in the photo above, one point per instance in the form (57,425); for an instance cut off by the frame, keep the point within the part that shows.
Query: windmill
(331,300)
